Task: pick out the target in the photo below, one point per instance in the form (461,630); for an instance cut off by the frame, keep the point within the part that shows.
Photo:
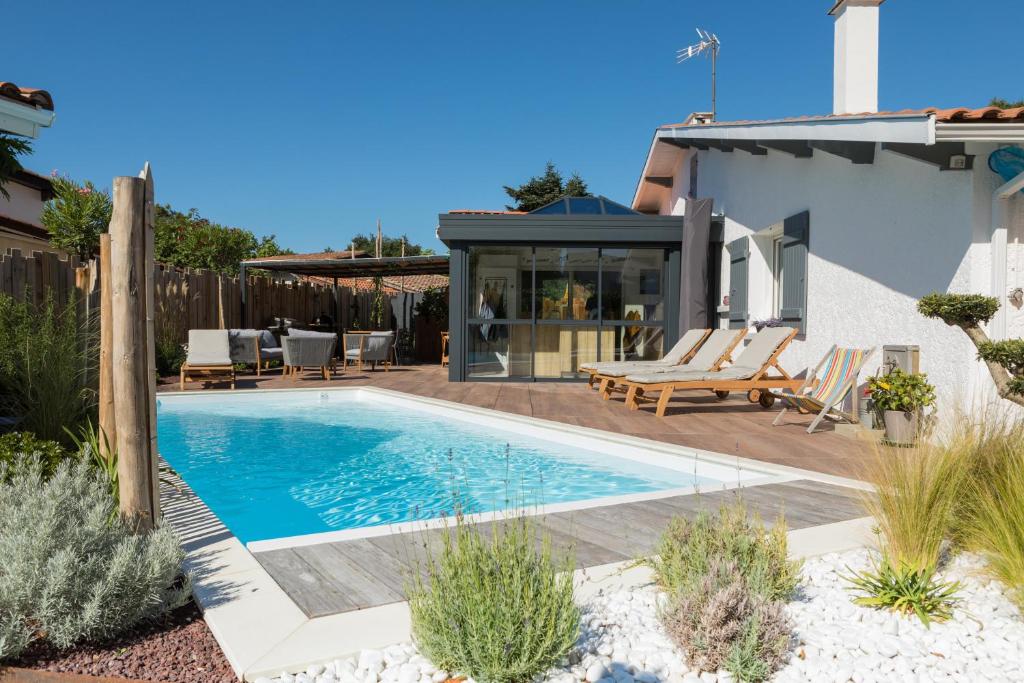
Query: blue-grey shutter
(795,239)
(739,257)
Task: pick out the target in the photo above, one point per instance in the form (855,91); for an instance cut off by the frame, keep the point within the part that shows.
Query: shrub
(902,391)
(961,310)
(688,549)
(71,570)
(46,360)
(996,527)
(906,589)
(723,623)
(727,577)
(15,444)
(76,216)
(494,606)
(169,356)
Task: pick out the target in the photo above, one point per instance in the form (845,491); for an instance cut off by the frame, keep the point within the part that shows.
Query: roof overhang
(355,267)
(23,119)
(560,229)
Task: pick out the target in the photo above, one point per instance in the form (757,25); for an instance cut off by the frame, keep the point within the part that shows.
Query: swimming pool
(276,464)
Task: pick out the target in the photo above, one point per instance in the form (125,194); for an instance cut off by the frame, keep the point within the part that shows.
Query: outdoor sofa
(254,347)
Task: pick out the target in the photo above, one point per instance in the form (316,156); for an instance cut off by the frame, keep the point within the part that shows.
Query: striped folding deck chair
(836,375)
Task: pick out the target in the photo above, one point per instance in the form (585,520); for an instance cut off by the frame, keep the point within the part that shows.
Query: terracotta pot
(900,427)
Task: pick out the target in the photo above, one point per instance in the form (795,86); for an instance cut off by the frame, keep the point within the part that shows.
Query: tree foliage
(10,149)
(188,240)
(392,246)
(1006,104)
(1004,359)
(76,216)
(544,189)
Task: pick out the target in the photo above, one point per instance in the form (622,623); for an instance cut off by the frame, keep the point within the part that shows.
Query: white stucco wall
(881,236)
(24,205)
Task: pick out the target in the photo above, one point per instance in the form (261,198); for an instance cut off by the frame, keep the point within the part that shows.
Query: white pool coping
(263,632)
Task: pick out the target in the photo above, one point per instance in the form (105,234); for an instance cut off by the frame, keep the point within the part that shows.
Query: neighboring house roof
(320,255)
(34,97)
(392,285)
(35,181)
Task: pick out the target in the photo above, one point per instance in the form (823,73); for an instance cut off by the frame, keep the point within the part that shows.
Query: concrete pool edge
(263,632)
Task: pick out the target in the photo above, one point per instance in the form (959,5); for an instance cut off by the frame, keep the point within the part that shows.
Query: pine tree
(544,189)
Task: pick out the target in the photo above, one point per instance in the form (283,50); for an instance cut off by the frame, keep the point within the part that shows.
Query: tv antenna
(709,44)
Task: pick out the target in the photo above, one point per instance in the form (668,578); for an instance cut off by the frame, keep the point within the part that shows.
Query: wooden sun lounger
(610,384)
(757,385)
(599,377)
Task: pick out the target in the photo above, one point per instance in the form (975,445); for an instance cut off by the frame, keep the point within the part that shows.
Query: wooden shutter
(795,240)
(739,257)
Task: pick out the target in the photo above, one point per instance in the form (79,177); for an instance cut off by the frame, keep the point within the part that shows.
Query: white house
(839,223)
(23,111)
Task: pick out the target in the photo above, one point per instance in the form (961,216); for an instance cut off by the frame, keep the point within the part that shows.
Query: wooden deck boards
(330,578)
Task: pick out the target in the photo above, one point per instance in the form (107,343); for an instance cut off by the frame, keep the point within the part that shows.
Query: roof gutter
(22,119)
(916,128)
(980,132)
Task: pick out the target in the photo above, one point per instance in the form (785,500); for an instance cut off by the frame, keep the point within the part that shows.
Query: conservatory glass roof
(585,206)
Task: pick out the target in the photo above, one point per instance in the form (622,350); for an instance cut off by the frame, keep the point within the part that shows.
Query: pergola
(344,267)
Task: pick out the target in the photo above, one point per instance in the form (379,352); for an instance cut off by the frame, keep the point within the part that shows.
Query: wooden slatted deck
(330,578)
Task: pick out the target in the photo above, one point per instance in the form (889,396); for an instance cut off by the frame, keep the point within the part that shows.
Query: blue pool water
(274,465)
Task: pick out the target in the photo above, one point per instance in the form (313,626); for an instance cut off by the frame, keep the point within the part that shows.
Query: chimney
(855,76)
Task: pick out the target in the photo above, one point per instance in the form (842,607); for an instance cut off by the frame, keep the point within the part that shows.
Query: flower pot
(900,427)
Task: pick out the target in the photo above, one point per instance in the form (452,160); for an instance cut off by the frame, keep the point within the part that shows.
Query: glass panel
(557,206)
(615,209)
(631,342)
(496,277)
(498,351)
(585,205)
(631,284)
(561,349)
(566,284)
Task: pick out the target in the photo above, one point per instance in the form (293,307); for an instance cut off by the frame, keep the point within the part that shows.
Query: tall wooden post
(149,370)
(130,350)
(108,428)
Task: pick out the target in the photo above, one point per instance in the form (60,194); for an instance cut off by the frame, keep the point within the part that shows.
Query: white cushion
(208,347)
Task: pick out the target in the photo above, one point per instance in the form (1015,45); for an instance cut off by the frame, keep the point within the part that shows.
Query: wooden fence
(185,298)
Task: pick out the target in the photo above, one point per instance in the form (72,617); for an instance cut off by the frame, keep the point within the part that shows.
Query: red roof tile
(951,115)
(34,97)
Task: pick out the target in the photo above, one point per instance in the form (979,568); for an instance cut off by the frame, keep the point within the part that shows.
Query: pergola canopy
(354,267)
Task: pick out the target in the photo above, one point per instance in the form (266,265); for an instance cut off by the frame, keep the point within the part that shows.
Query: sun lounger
(209,354)
(713,354)
(749,373)
(680,353)
(835,376)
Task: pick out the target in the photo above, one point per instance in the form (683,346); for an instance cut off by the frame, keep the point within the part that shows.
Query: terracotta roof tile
(34,97)
(318,256)
(951,115)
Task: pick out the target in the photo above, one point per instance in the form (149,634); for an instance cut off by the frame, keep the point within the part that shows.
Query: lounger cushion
(208,347)
(671,359)
(712,349)
(734,372)
(683,346)
(762,346)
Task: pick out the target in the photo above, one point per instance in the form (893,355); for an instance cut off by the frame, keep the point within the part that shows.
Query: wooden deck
(330,578)
(695,419)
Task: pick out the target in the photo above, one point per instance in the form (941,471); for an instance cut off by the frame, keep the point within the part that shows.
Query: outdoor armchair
(309,350)
(373,348)
(254,347)
(208,354)
(835,375)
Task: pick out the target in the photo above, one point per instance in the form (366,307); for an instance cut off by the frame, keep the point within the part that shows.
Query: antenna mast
(708,45)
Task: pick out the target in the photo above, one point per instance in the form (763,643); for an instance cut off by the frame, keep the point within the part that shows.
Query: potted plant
(899,397)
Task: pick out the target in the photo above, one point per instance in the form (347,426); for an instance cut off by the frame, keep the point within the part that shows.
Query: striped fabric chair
(836,375)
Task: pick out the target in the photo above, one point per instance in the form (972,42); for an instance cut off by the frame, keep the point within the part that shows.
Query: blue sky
(311,120)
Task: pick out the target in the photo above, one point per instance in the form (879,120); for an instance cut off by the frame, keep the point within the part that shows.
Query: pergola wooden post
(131,349)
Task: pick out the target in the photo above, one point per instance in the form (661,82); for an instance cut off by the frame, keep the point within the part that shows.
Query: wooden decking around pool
(695,419)
(331,578)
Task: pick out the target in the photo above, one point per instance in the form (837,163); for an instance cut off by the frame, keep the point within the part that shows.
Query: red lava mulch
(178,649)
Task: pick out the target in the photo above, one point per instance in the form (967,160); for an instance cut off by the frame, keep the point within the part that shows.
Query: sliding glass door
(541,312)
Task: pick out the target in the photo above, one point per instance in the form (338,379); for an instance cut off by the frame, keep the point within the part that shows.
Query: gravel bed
(622,640)
(178,649)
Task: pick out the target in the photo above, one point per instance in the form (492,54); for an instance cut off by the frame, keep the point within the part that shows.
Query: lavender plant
(70,569)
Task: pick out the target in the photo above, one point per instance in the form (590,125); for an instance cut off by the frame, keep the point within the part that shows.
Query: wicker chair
(373,348)
(309,350)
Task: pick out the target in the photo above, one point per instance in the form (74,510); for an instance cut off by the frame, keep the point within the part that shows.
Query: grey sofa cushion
(267,340)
